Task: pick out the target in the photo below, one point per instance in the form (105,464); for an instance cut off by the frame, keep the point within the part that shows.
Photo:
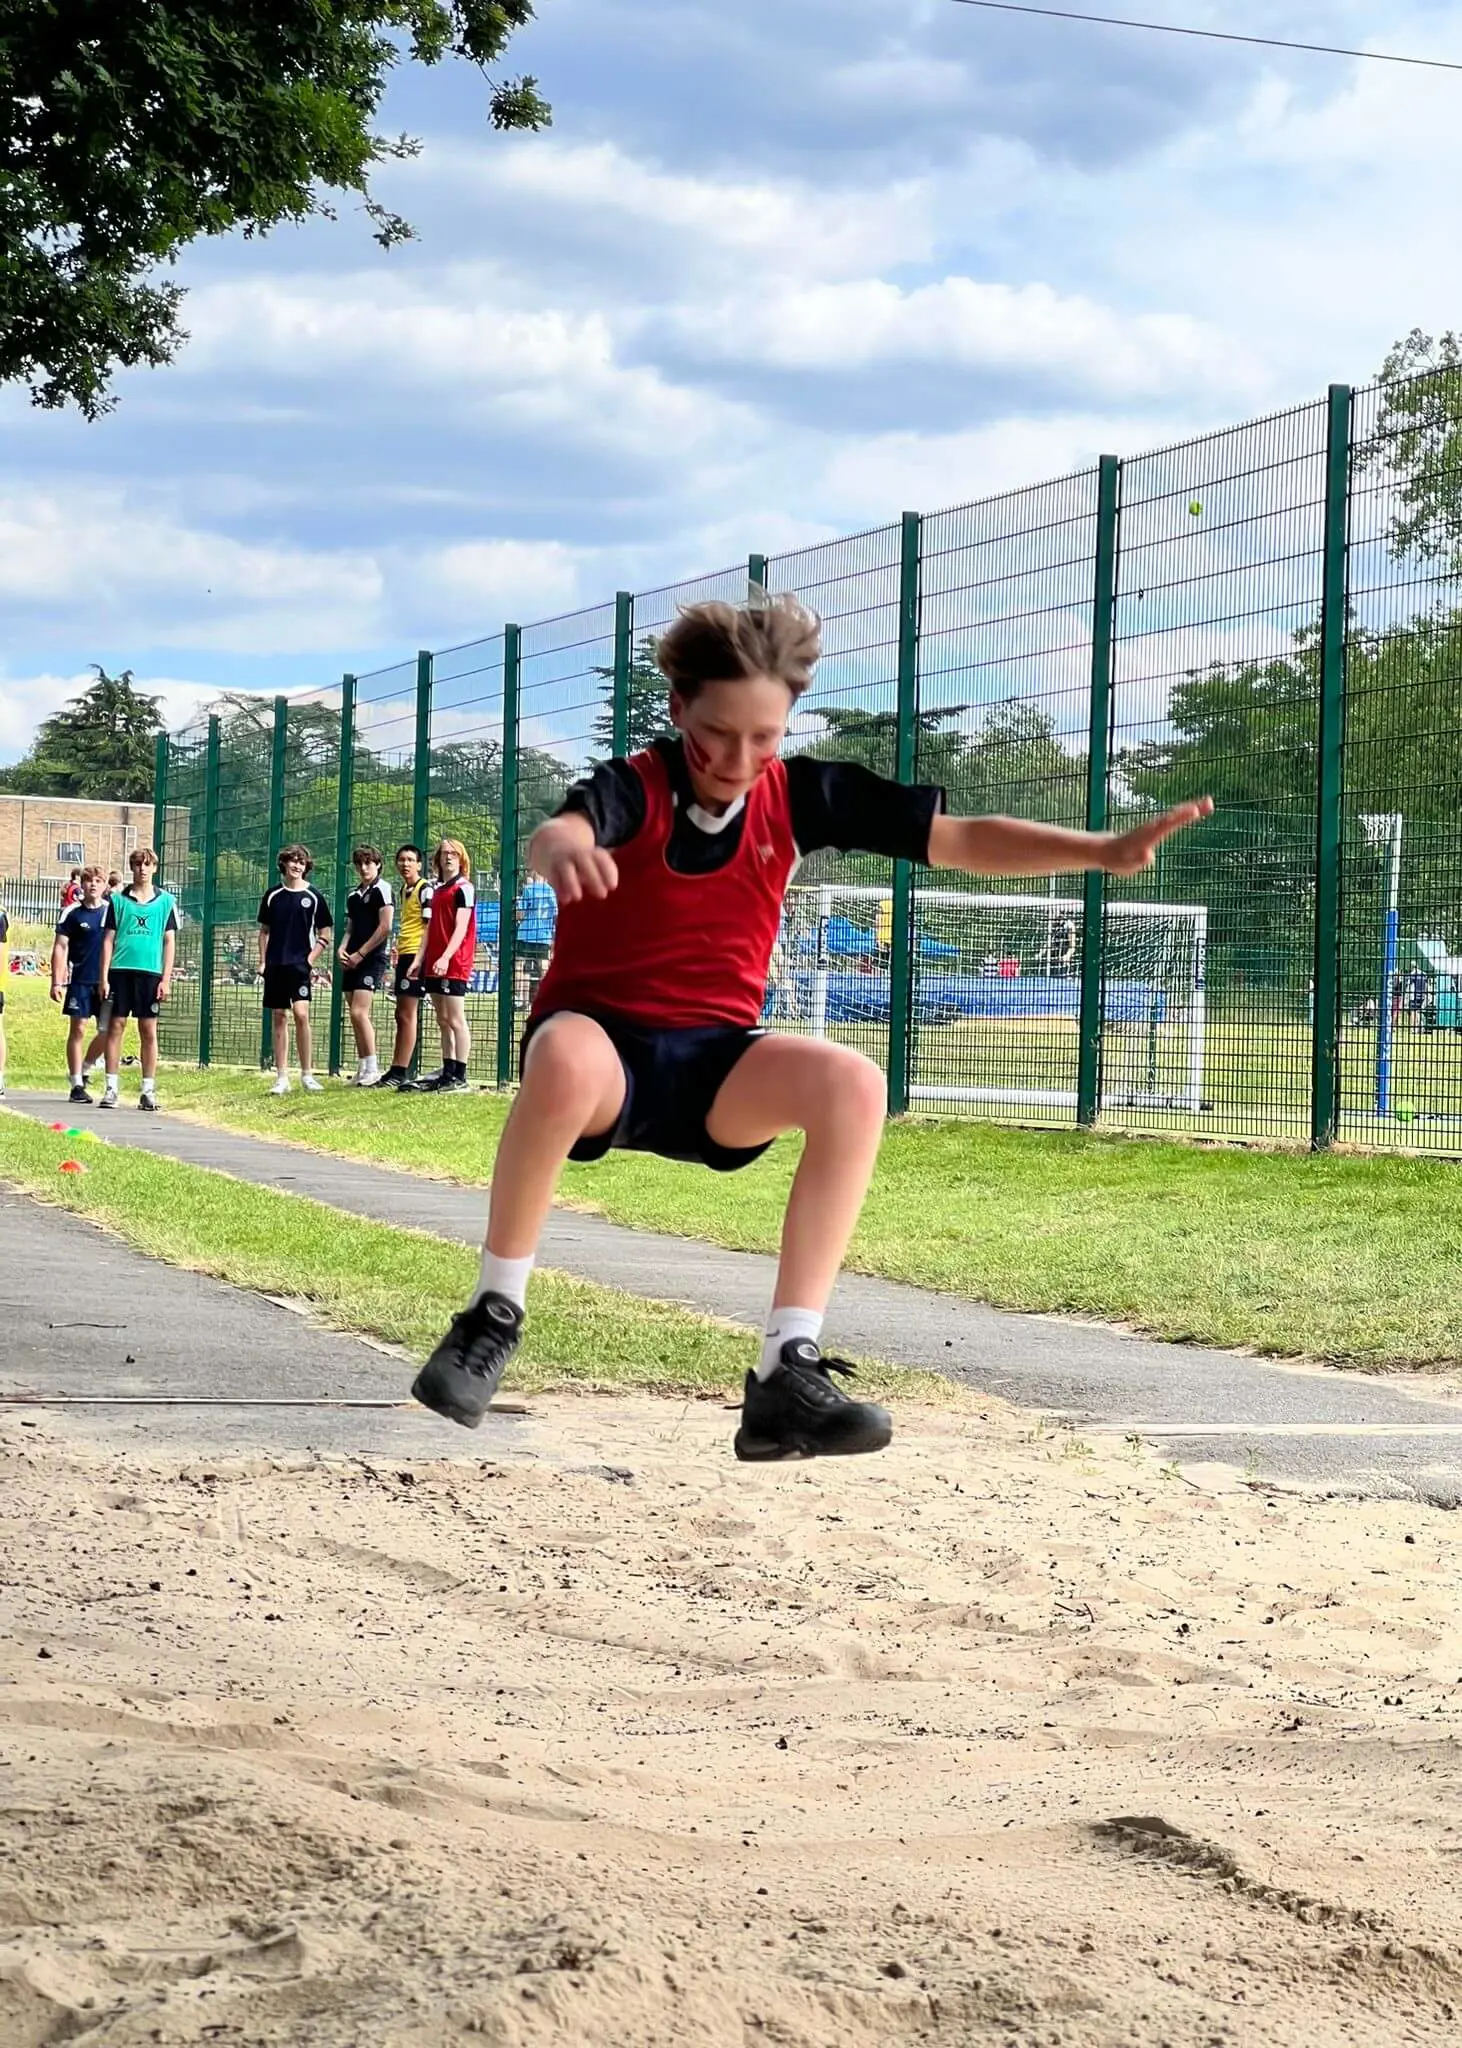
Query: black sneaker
(454,1084)
(394,1077)
(81,1094)
(799,1413)
(462,1374)
(426,1084)
(147,1102)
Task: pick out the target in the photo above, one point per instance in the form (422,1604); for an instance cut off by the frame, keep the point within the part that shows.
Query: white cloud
(791,226)
(974,325)
(100,551)
(484,580)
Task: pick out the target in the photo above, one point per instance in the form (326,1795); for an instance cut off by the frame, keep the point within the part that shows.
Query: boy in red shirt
(670,870)
(444,965)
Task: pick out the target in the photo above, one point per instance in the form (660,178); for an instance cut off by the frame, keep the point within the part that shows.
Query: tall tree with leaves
(649,703)
(1417,444)
(128,131)
(102,744)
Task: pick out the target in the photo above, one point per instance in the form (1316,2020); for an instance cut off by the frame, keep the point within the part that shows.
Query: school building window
(69,853)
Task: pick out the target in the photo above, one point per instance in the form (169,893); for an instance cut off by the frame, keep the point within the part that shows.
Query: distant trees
(101,744)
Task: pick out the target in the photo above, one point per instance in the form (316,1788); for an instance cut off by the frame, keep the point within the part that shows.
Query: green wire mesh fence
(1271,615)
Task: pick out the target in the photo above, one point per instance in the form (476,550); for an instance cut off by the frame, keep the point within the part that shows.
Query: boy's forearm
(263,947)
(109,946)
(169,955)
(58,964)
(1014,846)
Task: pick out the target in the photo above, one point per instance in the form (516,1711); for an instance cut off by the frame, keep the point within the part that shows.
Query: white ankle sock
(784,1325)
(76,1080)
(508,1277)
(113,1080)
(148,1086)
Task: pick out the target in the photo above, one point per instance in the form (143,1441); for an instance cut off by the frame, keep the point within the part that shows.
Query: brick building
(43,837)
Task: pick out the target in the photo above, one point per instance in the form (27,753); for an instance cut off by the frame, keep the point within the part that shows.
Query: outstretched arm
(1020,846)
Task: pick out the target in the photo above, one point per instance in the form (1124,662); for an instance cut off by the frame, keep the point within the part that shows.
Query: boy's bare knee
(568,1061)
(865,1087)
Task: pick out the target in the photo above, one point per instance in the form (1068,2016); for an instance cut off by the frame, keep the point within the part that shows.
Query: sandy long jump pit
(607,1740)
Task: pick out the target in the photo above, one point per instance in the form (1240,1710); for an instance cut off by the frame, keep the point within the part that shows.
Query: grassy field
(399,1285)
(1352,1259)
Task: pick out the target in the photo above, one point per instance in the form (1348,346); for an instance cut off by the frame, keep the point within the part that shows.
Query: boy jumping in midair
(670,870)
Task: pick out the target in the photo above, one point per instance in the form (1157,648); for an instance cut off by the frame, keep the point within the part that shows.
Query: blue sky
(776,272)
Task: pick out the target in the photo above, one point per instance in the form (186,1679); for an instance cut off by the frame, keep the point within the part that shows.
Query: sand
(997,1738)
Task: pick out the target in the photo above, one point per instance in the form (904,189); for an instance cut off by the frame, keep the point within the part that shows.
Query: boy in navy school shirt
(670,871)
(294,927)
(365,957)
(76,978)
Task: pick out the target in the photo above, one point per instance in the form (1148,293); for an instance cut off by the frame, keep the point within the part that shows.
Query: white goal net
(996,982)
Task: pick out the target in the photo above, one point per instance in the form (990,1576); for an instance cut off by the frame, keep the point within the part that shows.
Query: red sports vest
(679,950)
(445,904)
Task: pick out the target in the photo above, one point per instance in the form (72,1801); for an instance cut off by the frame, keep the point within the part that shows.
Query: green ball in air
(1195,510)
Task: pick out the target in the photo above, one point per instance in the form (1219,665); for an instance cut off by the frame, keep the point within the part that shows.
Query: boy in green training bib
(139,942)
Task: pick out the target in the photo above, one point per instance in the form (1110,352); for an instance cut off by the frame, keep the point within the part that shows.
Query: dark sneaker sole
(764,1450)
(442,1404)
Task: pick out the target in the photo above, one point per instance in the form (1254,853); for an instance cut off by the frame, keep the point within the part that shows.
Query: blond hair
(464,859)
(718,642)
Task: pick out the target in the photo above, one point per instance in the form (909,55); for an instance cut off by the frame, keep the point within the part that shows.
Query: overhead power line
(1211,35)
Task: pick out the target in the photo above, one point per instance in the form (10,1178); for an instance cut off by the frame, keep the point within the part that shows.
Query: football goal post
(996,991)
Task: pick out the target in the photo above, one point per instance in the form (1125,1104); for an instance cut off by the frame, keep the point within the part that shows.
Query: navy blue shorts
(84,999)
(671,1079)
(372,973)
(286,986)
(405,989)
(135,994)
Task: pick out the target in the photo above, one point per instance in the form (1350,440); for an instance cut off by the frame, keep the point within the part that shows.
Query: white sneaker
(281,1085)
(369,1077)
(109,1099)
(310,1085)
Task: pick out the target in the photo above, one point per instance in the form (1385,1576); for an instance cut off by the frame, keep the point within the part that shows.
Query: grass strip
(387,1282)
(1344,1258)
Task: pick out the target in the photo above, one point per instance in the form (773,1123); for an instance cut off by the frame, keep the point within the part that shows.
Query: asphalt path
(1315,1426)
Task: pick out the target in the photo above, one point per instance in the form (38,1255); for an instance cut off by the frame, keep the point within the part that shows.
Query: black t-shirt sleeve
(844,805)
(172,923)
(612,798)
(109,922)
(264,917)
(323,919)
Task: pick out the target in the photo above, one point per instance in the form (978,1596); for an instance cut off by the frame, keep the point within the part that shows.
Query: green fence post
(900,978)
(210,897)
(160,801)
(278,756)
(345,801)
(1325,1046)
(1104,604)
(507,929)
(624,629)
(756,572)
(421,761)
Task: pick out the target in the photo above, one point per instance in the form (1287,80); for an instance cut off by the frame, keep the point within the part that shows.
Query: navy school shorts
(286,986)
(671,1079)
(135,994)
(84,999)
